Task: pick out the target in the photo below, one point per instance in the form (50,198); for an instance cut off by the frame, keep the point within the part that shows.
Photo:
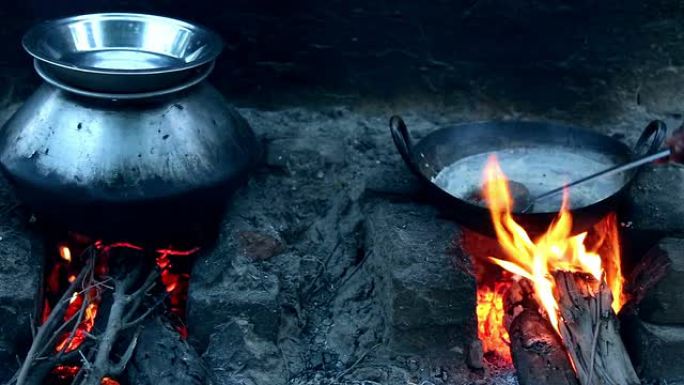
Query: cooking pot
(127,165)
(538,155)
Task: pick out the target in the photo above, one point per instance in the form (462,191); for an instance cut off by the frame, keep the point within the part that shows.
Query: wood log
(537,351)
(589,331)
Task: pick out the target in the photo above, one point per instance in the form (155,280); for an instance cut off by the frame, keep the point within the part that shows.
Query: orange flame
(490,320)
(84,328)
(555,250)
(65,253)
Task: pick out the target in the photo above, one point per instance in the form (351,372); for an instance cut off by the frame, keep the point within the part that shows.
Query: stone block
(655,350)
(21,269)
(162,357)
(430,300)
(664,302)
(655,200)
(237,356)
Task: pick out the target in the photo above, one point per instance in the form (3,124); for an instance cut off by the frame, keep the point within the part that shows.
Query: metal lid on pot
(121,53)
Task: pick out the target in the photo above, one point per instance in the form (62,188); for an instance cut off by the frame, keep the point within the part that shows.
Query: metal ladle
(601,174)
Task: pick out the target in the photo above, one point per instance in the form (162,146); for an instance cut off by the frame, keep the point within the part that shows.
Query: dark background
(288,52)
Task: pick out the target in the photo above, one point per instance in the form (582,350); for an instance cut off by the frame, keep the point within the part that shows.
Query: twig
(128,354)
(57,333)
(144,315)
(120,310)
(47,327)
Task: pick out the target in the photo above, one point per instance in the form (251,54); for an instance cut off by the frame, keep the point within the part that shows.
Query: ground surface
(332,266)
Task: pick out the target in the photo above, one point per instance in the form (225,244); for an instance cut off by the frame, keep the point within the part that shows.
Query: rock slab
(162,357)
(21,269)
(430,298)
(664,302)
(237,356)
(656,350)
(655,201)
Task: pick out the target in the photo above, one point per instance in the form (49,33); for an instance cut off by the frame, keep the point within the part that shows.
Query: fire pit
(575,281)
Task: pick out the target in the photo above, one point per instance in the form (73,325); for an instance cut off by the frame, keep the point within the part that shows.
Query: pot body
(127,168)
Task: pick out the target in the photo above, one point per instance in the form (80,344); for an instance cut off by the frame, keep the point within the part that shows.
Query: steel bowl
(46,72)
(121,52)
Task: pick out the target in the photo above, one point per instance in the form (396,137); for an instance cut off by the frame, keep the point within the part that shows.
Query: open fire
(595,254)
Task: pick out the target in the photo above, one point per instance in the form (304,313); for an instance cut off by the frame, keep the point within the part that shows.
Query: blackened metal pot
(132,167)
(450,144)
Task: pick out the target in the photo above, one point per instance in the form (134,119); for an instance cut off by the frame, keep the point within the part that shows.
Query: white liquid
(540,170)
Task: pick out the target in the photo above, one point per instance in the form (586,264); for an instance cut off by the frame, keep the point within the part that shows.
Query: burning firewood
(537,351)
(576,283)
(589,331)
(67,340)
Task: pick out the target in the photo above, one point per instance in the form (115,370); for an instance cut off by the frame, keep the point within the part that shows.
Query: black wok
(553,144)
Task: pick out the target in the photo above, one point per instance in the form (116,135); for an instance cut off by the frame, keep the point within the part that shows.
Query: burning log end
(537,352)
(520,296)
(536,349)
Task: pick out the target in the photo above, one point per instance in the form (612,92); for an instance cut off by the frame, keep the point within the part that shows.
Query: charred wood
(537,351)
(39,360)
(132,280)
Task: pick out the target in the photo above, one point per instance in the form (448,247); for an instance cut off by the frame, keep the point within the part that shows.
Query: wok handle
(651,139)
(403,142)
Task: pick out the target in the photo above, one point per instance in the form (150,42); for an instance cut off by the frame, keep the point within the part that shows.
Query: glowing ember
(490,320)
(84,304)
(68,342)
(65,372)
(175,283)
(68,372)
(555,250)
(65,253)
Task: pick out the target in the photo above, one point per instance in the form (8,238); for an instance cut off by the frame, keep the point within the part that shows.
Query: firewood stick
(123,303)
(538,354)
(32,371)
(589,332)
